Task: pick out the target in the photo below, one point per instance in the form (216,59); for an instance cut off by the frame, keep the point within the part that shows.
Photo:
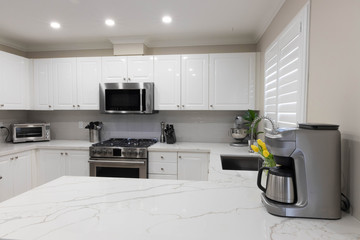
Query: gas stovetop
(121,148)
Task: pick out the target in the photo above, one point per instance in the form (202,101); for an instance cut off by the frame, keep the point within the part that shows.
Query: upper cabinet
(167,82)
(43,85)
(64,77)
(88,79)
(232,81)
(14,77)
(195,82)
(127,69)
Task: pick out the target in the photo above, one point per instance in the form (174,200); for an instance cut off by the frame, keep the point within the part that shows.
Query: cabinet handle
(211,106)
(129,79)
(124,79)
(12,158)
(179,156)
(62,153)
(162,169)
(78,105)
(66,154)
(0,177)
(73,105)
(183,105)
(16,157)
(178,106)
(2,105)
(49,106)
(162,157)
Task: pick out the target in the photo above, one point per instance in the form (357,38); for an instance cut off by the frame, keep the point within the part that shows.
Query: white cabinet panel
(6,181)
(88,79)
(77,163)
(162,176)
(114,69)
(194,82)
(64,76)
(167,82)
(43,85)
(141,69)
(232,81)
(13,70)
(162,167)
(50,165)
(193,166)
(15,173)
(170,157)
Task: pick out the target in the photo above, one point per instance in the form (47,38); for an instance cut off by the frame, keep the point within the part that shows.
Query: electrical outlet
(1,124)
(81,124)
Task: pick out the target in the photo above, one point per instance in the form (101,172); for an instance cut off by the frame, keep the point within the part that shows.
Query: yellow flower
(261,144)
(266,153)
(255,148)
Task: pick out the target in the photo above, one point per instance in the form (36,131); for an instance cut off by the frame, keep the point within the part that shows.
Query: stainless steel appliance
(120,157)
(239,132)
(312,152)
(279,184)
(135,98)
(30,132)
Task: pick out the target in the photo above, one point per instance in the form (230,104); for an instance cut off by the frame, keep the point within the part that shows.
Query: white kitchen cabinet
(193,166)
(52,164)
(14,78)
(167,82)
(140,69)
(88,79)
(65,89)
(43,85)
(15,173)
(232,81)
(179,165)
(127,69)
(195,82)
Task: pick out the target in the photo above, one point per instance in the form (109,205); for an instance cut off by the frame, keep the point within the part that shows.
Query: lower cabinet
(15,174)
(179,165)
(52,164)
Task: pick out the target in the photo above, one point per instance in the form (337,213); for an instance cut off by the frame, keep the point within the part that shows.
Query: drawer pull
(62,153)
(162,157)
(162,169)
(179,156)
(16,157)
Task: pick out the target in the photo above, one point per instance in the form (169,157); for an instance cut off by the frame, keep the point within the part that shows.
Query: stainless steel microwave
(135,98)
(30,132)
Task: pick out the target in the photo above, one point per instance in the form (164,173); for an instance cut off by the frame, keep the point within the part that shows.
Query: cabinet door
(167,82)
(6,181)
(21,170)
(13,93)
(232,81)
(193,166)
(43,85)
(50,165)
(114,69)
(141,69)
(88,79)
(77,163)
(64,76)
(194,82)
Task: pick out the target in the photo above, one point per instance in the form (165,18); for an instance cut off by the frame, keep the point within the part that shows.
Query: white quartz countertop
(228,206)
(11,148)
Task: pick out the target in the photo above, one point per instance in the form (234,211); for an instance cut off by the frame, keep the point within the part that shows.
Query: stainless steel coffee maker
(311,153)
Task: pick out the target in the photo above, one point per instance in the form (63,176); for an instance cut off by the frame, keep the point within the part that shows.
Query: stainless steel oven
(120,157)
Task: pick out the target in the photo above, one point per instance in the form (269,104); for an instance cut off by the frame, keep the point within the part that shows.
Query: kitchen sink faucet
(273,130)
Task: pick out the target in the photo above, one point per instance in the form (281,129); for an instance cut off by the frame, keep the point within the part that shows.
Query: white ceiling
(24,24)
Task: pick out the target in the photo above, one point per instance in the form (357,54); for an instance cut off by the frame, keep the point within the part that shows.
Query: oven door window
(27,132)
(124,99)
(117,172)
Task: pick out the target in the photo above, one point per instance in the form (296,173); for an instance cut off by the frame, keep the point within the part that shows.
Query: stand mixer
(239,132)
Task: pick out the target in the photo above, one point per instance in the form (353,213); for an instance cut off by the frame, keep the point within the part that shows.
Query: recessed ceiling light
(109,22)
(167,19)
(55,25)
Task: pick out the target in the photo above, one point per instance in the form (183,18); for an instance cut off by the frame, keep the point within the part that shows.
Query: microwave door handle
(141,100)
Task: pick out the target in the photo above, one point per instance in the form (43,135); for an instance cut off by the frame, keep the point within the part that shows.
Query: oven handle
(121,161)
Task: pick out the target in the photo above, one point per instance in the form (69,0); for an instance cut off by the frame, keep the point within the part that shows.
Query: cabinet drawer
(162,168)
(170,157)
(163,176)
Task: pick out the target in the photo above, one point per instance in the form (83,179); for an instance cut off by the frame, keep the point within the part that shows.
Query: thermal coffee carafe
(310,166)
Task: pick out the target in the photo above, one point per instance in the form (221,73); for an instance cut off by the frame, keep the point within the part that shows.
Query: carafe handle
(259,178)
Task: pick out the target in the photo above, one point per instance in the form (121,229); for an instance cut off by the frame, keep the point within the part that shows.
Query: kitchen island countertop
(227,206)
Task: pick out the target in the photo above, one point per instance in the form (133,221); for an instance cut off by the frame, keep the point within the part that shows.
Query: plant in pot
(250,116)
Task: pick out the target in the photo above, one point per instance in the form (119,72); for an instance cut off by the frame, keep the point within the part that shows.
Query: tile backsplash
(190,126)
(7,117)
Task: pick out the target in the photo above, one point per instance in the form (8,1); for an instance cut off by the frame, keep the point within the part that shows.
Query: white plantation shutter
(286,74)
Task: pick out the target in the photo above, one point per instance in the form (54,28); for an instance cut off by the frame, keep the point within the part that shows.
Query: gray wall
(190,126)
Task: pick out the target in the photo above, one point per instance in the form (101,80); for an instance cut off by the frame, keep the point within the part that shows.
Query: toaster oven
(30,132)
